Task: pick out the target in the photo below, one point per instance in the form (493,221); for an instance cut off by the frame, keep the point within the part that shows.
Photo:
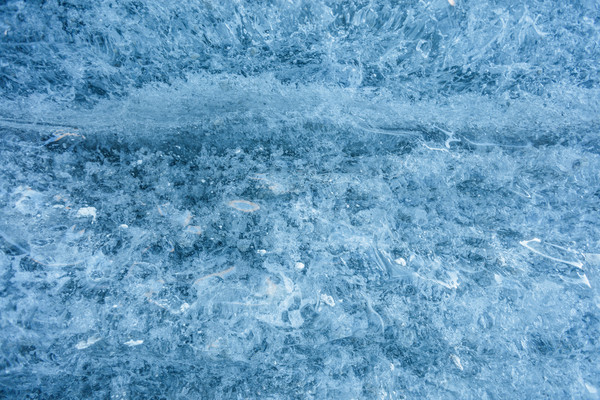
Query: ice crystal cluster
(299,199)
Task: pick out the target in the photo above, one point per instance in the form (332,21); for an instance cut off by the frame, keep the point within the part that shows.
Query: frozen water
(299,199)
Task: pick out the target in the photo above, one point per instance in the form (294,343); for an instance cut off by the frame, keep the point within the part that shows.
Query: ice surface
(299,199)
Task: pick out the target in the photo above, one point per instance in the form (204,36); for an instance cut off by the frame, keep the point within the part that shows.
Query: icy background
(299,199)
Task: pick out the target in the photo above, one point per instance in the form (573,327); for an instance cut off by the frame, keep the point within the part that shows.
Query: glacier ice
(299,199)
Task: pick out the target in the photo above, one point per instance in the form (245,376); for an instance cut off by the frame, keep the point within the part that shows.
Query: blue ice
(304,199)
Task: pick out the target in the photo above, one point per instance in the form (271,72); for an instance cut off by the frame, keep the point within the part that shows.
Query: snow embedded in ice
(299,200)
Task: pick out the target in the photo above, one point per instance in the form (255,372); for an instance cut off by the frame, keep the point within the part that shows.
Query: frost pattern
(299,199)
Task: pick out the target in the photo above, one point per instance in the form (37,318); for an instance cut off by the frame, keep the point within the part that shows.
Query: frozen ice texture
(299,199)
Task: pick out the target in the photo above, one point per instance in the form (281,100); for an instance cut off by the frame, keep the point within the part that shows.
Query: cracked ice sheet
(372,257)
(309,199)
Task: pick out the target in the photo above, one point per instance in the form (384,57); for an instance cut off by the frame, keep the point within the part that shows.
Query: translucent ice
(299,199)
